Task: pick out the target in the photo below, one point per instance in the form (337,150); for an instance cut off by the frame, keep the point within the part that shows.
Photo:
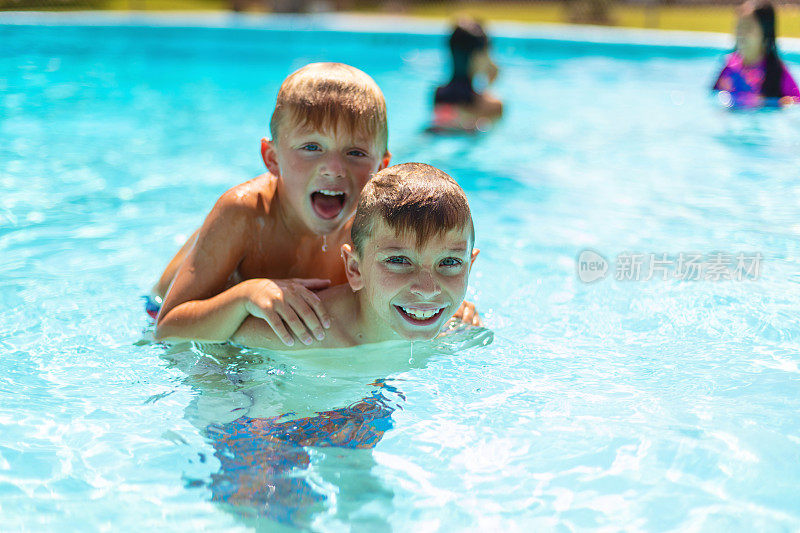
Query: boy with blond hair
(270,242)
(407,268)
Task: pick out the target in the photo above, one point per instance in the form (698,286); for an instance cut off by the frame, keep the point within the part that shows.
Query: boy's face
(413,290)
(321,172)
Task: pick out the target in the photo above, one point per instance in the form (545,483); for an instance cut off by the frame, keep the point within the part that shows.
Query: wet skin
(267,230)
(397,291)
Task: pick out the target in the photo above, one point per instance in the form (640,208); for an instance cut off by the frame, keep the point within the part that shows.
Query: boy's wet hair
(411,197)
(325,96)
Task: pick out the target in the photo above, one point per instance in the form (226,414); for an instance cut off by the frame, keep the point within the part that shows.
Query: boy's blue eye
(311,147)
(451,262)
(398,260)
(357,153)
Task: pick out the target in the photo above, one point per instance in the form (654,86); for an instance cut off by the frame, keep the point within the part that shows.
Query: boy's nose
(426,285)
(333,166)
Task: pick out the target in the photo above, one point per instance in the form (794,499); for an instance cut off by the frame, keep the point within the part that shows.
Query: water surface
(646,405)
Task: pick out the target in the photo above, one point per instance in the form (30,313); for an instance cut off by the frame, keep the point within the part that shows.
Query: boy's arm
(161,287)
(256,333)
(197,307)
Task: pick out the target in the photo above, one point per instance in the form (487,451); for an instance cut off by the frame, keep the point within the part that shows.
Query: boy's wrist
(243,296)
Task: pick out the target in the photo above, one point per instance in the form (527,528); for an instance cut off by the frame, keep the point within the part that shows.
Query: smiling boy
(408,266)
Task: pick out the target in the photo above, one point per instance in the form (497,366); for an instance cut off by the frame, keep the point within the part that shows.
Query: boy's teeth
(330,193)
(420,314)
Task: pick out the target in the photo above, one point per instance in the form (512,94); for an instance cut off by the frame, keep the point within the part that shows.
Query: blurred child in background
(457,105)
(754,75)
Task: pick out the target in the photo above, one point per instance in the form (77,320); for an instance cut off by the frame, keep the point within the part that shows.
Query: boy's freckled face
(323,173)
(415,289)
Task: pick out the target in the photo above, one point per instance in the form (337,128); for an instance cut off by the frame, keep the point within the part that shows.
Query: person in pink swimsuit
(754,75)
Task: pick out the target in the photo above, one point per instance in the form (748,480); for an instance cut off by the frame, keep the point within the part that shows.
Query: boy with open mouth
(269,243)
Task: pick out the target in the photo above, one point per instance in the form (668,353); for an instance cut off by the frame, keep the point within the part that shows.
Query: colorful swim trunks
(152,305)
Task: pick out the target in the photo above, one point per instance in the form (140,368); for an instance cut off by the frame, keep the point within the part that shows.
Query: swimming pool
(621,403)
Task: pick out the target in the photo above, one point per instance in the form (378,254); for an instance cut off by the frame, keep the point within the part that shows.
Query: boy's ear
(385,161)
(352,268)
(270,157)
(475,253)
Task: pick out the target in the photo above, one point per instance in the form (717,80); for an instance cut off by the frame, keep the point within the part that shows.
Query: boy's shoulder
(338,300)
(256,193)
(245,203)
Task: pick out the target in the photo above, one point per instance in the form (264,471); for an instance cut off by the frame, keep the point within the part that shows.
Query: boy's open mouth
(420,317)
(328,204)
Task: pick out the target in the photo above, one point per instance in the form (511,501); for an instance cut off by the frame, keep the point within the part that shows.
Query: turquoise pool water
(646,405)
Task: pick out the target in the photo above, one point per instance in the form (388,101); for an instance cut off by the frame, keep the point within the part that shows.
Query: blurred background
(694,15)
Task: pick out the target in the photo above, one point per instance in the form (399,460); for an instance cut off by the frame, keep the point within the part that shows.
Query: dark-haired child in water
(754,75)
(458,105)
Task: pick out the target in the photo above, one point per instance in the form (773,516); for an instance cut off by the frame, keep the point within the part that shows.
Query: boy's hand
(290,302)
(467,314)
